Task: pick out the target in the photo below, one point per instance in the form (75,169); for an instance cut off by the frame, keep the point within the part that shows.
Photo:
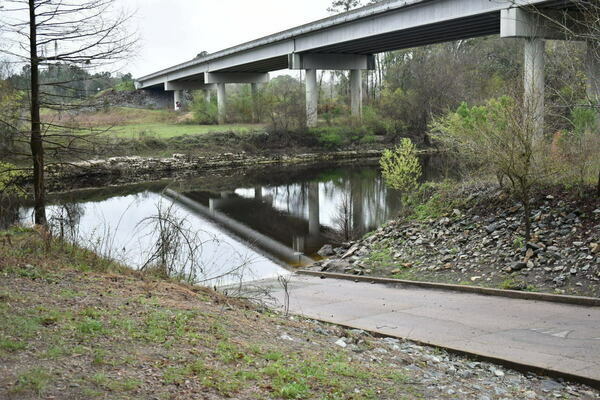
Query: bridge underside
(350,44)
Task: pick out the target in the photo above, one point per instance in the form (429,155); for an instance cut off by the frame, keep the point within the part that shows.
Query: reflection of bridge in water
(288,237)
(291,222)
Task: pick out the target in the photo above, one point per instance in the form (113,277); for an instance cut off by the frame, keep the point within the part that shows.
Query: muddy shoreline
(130,170)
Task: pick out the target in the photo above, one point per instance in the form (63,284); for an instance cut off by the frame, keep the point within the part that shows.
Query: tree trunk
(36,144)
(598,185)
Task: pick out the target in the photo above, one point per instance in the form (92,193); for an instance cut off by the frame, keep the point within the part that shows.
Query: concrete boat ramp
(546,337)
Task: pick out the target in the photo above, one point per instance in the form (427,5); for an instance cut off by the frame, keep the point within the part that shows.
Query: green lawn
(169,130)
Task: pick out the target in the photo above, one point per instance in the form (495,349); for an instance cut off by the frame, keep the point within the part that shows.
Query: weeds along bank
(74,325)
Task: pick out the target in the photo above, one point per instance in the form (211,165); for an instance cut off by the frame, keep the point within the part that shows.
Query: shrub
(240,104)
(577,150)
(205,112)
(10,177)
(283,102)
(503,138)
(400,167)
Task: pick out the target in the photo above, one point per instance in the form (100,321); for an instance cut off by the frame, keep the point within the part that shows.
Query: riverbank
(73,325)
(472,234)
(133,169)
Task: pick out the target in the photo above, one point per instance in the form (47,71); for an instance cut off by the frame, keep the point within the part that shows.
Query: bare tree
(40,33)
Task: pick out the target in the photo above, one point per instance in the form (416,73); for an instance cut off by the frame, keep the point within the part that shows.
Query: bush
(10,179)
(283,102)
(378,124)
(502,137)
(240,104)
(333,137)
(205,112)
(401,167)
(577,150)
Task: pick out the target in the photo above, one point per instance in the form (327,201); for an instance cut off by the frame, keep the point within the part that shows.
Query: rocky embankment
(482,244)
(120,170)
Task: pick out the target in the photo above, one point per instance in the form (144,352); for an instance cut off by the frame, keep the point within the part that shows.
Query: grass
(168,130)
(135,123)
(34,380)
(138,343)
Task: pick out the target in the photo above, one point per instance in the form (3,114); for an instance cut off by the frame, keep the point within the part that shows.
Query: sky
(174,31)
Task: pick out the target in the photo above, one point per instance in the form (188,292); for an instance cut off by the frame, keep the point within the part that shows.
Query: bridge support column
(222,103)
(312,98)
(177,99)
(314,226)
(254,91)
(207,95)
(221,78)
(534,83)
(592,66)
(356,93)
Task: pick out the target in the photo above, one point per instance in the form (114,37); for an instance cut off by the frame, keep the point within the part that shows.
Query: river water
(256,224)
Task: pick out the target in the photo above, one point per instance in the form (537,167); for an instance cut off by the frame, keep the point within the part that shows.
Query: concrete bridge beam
(236,77)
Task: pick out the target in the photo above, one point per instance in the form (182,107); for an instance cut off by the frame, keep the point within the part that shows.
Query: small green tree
(401,167)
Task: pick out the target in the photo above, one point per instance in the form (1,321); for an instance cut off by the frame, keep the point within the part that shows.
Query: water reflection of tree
(65,220)
(372,203)
(361,193)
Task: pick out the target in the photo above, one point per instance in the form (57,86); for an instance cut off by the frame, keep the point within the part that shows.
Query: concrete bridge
(349,40)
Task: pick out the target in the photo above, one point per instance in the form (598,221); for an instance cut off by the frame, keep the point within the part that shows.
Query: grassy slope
(75,326)
(130,123)
(166,130)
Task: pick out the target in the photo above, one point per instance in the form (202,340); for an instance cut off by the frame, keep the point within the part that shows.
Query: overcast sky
(174,31)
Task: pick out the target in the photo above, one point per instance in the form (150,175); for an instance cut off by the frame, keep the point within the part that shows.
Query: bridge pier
(222,78)
(592,66)
(177,100)
(221,103)
(310,63)
(312,98)
(534,83)
(356,93)
(178,87)
(254,91)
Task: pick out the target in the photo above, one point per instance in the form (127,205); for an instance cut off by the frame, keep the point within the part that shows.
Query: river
(259,224)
